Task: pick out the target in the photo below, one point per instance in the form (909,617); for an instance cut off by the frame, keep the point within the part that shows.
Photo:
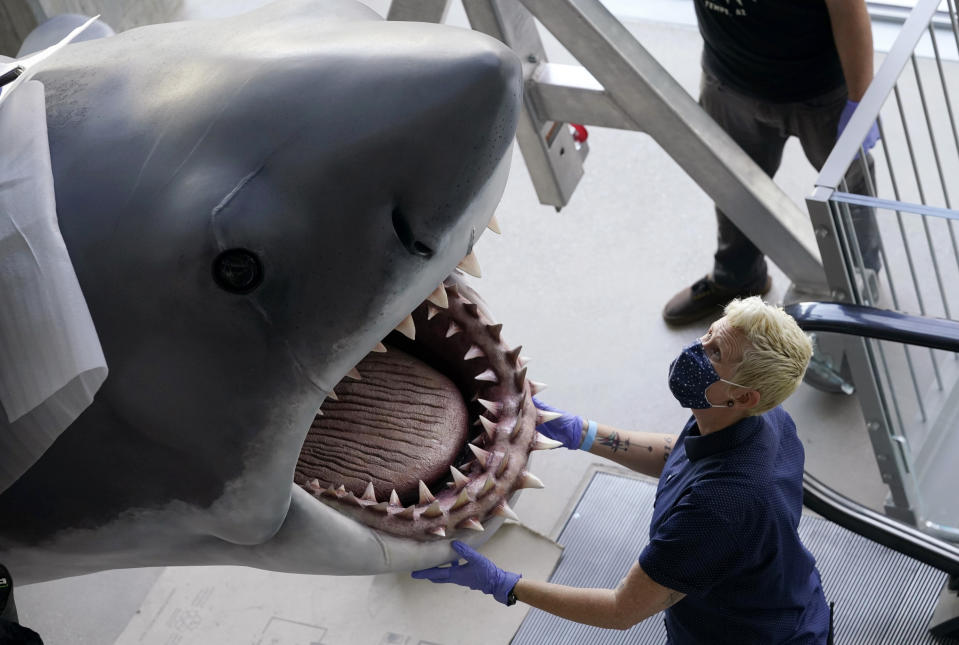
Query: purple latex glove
(567,429)
(871,137)
(478,573)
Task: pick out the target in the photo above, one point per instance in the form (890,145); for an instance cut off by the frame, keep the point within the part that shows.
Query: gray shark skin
(251,205)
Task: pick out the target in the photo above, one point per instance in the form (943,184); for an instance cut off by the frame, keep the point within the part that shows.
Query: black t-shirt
(777,50)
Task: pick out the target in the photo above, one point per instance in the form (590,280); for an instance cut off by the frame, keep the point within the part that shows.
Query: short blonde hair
(777,354)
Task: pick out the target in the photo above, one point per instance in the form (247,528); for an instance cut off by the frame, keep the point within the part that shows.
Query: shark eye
(237,271)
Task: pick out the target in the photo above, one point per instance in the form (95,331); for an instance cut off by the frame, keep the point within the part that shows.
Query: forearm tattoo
(614,443)
(667,447)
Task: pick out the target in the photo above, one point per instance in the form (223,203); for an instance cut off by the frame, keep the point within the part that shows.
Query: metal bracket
(621,85)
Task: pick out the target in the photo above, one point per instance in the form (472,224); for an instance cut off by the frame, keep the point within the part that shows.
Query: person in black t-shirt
(774,69)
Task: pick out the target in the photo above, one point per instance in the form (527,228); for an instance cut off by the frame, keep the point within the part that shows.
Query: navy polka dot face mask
(690,374)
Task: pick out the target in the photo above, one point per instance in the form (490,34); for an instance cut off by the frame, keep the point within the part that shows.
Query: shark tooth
(340,490)
(535,387)
(461,500)
(529,480)
(459,479)
(473,352)
(394,498)
(319,412)
(314,484)
(451,290)
(351,498)
(470,265)
(472,309)
(380,348)
(501,466)
(488,375)
(481,455)
(543,442)
(545,416)
(431,311)
(439,297)
(381,507)
(519,379)
(329,491)
(489,426)
(433,510)
(406,513)
(472,524)
(407,327)
(354,374)
(495,330)
(425,495)
(487,486)
(438,531)
(513,354)
(369,494)
(493,406)
(503,510)
(523,360)
(494,225)
(453,330)
(332,396)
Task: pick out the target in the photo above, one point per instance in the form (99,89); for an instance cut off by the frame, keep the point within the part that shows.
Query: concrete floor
(582,291)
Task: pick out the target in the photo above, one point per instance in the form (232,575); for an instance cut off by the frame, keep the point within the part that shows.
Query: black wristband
(511,597)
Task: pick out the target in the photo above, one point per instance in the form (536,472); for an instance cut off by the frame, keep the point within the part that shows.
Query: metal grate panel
(882,597)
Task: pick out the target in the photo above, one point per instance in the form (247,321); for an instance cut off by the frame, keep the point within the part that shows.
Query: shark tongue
(402,423)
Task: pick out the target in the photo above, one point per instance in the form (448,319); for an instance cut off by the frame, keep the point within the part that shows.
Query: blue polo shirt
(724,533)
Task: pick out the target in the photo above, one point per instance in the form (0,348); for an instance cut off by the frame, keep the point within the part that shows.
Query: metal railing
(891,241)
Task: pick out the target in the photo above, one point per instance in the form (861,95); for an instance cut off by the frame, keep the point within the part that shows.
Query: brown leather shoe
(706,298)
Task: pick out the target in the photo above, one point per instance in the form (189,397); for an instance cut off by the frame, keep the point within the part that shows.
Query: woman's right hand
(566,428)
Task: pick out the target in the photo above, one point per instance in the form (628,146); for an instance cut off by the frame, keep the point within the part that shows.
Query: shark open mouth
(431,432)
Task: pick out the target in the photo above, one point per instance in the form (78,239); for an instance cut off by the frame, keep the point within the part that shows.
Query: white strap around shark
(51,362)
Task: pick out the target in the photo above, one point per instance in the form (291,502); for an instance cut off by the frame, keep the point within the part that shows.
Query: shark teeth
(493,406)
(494,225)
(459,479)
(470,265)
(482,456)
(529,480)
(425,495)
(488,426)
(472,524)
(545,416)
(453,330)
(461,500)
(497,394)
(433,510)
(503,510)
(535,387)
(543,442)
(407,327)
(439,297)
(473,352)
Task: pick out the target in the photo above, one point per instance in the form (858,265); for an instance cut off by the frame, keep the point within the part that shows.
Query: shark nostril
(405,233)
(421,249)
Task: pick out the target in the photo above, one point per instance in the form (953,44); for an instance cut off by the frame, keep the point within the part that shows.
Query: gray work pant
(761,130)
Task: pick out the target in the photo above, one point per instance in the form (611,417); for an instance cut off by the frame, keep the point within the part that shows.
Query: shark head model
(252,205)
